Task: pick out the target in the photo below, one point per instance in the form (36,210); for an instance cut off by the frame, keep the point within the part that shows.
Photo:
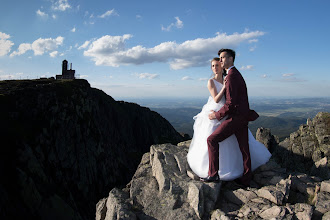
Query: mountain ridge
(63,144)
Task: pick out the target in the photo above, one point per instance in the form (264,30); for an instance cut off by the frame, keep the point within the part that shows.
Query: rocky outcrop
(307,150)
(164,187)
(65,144)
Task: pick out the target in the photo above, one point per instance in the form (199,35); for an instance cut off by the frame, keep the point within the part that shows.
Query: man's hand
(212,115)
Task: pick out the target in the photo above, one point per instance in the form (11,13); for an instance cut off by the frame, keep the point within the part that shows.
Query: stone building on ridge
(66,74)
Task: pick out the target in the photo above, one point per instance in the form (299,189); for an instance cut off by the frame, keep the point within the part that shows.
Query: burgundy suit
(239,114)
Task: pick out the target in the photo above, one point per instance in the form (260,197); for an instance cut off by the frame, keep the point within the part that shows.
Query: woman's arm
(213,91)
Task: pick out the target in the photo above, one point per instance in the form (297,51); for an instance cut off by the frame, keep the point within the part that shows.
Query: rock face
(164,187)
(65,144)
(307,150)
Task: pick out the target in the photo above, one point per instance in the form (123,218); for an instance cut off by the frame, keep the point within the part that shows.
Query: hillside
(65,144)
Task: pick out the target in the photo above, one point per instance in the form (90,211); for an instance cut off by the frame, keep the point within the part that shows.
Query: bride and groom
(222,147)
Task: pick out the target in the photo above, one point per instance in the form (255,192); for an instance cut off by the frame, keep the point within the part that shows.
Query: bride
(230,157)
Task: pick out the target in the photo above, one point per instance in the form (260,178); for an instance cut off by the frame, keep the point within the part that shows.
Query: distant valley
(282,115)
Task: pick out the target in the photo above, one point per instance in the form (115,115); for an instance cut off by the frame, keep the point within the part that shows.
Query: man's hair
(230,53)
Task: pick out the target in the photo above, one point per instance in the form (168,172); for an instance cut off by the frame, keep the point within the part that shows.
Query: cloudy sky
(152,48)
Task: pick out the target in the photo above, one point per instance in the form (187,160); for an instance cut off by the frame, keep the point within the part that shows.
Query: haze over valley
(282,115)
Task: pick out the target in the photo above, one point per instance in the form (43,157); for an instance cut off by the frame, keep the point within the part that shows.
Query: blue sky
(151,48)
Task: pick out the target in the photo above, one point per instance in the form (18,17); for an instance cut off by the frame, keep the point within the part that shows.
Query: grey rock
(325,186)
(196,197)
(306,149)
(252,209)
(118,207)
(303,184)
(239,196)
(101,209)
(303,211)
(326,216)
(219,215)
(277,194)
(264,136)
(275,212)
(321,168)
(272,194)
(322,204)
(161,188)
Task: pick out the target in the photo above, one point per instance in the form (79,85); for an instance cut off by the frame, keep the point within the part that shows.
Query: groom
(239,114)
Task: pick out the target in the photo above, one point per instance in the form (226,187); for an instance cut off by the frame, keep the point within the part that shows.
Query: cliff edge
(65,144)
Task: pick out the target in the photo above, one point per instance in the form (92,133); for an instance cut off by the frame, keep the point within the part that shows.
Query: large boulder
(162,189)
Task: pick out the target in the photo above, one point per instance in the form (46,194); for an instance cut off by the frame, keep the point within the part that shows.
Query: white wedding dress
(230,157)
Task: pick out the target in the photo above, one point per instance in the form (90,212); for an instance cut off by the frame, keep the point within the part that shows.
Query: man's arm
(231,98)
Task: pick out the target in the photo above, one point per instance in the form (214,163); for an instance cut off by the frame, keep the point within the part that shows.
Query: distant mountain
(65,144)
(182,121)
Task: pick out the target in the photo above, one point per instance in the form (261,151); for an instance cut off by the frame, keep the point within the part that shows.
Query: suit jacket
(237,103)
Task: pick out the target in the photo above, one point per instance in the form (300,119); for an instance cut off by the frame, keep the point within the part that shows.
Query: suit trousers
(239,127)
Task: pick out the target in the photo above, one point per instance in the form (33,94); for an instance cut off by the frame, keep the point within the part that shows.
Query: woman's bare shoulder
(210,83)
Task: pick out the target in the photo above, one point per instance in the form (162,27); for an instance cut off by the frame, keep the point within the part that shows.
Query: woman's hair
(215,59)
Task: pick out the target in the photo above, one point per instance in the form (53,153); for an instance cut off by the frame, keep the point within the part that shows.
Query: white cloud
(61,5)
(84,45)
(247,67)
(111,50)
(138,16)
(108,13)
(186,78)
(203,79)
(253,48)
(147,75)
(39,46)
(177,24)
(54,16)
(5,44)
(53,54)
(264,76)
(253,41)
(21,49)
(287,74)
(41,14)
(289,77)
(104,50)
(73,29)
